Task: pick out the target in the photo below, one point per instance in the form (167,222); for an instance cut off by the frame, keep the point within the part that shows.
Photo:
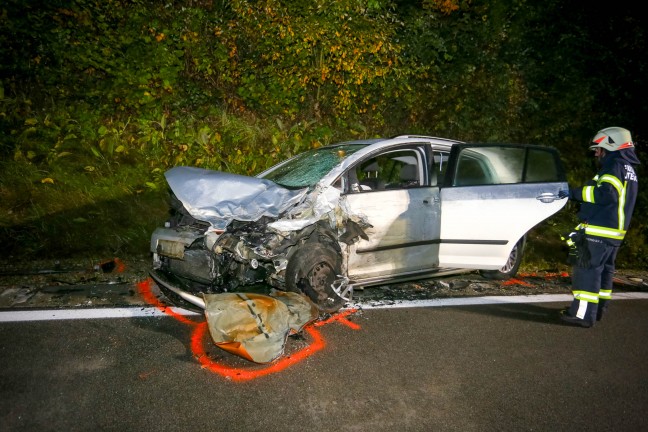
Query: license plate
(171,249)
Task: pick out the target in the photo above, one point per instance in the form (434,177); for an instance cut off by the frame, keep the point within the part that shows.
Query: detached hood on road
(218,198)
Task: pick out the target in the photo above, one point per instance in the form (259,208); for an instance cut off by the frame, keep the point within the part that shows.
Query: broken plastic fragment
(110,265)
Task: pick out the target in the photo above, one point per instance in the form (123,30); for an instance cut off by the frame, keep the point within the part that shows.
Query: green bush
(98,98)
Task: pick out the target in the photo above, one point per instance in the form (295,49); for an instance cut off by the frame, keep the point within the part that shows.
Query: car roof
(401,139)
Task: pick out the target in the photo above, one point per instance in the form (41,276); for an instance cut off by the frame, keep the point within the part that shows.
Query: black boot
(564,316)
(602,309)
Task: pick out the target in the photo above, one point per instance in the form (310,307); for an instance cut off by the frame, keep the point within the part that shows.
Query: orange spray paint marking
(243,374)
(516,282)
(548,275)
(121,267)
(200,339)
(341,318)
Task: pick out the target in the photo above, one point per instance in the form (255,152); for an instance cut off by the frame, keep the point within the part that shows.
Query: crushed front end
(230,233)
(196,258)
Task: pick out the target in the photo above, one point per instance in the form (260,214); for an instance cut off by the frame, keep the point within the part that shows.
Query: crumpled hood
(218,198)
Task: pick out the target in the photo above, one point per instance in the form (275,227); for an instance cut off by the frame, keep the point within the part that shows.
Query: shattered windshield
(307,168)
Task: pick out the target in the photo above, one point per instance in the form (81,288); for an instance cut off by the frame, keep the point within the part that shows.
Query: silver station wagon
(354,214)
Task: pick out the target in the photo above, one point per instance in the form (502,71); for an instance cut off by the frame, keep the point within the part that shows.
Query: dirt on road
(113,282)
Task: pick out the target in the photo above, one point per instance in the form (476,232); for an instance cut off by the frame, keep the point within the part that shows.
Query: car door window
(391,170)
(489,166)
(542,167)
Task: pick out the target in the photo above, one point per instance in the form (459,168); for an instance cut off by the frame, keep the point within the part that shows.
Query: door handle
(547,197)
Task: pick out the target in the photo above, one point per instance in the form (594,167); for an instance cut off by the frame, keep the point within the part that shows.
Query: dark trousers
(592,285)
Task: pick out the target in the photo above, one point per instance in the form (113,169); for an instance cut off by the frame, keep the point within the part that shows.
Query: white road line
(470,301)
(140,312)
(94,313)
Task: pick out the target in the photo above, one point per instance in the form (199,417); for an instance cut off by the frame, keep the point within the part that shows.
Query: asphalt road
(496,367)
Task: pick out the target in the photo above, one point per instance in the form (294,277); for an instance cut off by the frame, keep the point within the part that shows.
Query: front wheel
(511,267)
(313,269)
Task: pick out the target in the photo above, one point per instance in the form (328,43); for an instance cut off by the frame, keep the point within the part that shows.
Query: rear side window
(542,167)
(489,165)
(494,165)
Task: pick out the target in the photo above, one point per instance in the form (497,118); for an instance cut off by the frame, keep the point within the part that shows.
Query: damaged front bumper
(168,287)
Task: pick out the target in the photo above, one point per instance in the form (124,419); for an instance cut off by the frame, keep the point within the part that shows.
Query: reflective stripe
(605,294)
(612,180)
(621,188)
(587,296)
(621,209)
(582,309)
(619,232)
(600,231)
(588,194)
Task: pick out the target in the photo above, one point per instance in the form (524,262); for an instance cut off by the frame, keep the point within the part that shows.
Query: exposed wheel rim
(314,270)
(320,278)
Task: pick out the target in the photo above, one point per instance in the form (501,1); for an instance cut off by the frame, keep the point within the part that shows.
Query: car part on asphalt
(255,326)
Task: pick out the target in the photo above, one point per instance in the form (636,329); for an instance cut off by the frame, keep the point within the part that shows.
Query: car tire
(312,269)
(511,267)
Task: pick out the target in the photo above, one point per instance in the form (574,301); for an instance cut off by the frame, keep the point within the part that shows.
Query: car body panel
(404,232)
(481,224)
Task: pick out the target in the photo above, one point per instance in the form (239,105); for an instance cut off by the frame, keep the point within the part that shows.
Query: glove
(578,253)
(563,194)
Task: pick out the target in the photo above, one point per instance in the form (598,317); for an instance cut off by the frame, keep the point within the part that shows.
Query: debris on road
(24,284)
(71,282)
(109,266)
(256,326)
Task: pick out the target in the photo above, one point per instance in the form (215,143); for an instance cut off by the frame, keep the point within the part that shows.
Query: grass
(76,214)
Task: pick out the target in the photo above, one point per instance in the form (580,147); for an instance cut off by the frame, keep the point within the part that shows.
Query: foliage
(98,98)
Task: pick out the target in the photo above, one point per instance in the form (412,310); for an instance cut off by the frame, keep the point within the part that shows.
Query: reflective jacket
(609,198)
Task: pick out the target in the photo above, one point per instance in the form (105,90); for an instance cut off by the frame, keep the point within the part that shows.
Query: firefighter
(606,205)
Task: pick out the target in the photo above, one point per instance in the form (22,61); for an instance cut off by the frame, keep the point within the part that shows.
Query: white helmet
(612,139)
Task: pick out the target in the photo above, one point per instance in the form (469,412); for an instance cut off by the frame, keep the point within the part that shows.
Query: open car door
(492,195)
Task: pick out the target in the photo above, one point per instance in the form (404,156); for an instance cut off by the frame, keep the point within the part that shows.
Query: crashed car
(354,214)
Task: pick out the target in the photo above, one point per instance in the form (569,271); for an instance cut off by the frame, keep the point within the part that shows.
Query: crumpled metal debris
(219,198)
(324,203)
(317,205)
(256,326)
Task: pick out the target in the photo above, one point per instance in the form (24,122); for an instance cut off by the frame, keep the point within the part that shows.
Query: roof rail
(423,136)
